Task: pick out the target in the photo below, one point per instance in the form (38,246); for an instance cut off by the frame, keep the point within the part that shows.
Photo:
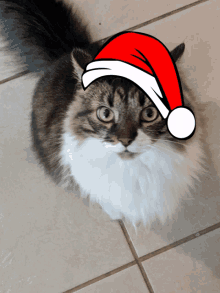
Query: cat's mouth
(126,155)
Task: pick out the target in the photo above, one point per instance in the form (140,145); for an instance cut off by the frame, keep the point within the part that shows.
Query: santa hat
(146,61)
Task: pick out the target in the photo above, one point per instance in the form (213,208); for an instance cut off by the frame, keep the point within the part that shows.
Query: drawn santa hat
(146,61)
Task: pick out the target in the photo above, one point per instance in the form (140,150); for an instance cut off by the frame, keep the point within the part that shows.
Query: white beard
(141,189)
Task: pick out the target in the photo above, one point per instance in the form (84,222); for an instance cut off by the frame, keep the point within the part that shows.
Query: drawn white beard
(141,189)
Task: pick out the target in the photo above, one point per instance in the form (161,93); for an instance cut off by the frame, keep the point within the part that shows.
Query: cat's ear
(80,59)
(177,52)
(77,69)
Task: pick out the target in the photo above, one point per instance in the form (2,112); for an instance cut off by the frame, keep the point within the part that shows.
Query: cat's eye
(105,114)
(149,114)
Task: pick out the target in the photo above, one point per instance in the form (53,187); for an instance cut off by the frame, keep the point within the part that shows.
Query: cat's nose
(126,141)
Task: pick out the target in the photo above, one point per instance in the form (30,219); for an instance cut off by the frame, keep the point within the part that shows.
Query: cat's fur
(73,145)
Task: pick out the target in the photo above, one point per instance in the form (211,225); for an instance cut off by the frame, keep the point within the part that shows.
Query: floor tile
(127,281)
(51,240)
(105,18)
(191,267)
(201,65)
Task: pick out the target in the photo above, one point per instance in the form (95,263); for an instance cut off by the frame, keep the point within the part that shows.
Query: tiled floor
(52,241)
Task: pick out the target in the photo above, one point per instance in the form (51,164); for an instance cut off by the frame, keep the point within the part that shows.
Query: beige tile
(50,240)
(198,28)
(127,281)
(191,267)
(105,18)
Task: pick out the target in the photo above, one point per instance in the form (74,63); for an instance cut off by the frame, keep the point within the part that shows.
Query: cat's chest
(101,172)
(141,188)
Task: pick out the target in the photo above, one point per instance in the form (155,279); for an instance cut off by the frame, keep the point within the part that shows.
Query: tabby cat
(109,139)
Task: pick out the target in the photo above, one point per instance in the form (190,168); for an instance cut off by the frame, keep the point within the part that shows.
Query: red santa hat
(146,61)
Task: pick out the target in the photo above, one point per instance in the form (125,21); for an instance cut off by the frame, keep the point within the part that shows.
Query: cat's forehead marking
(110,100)
(119,96)
(116,96)
(133,99)
(128,95)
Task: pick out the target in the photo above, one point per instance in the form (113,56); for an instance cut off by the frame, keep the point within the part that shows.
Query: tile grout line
(145,23)
(134,253)
(131,28)
(145,257)
(139,260)
(17,75)
(180,242)
(101,277)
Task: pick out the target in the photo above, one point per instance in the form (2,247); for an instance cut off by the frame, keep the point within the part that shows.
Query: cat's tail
(38,32)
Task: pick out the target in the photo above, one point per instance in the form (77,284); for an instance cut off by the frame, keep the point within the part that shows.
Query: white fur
(140,189)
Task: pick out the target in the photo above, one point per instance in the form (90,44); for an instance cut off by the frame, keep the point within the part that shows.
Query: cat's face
(121,116)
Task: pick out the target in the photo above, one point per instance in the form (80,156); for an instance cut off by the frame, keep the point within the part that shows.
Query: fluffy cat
(109,140)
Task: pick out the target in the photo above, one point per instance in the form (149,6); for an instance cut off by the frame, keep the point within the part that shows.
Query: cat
(109,140)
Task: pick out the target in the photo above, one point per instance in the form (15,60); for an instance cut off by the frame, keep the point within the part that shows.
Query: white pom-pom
(181,123)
